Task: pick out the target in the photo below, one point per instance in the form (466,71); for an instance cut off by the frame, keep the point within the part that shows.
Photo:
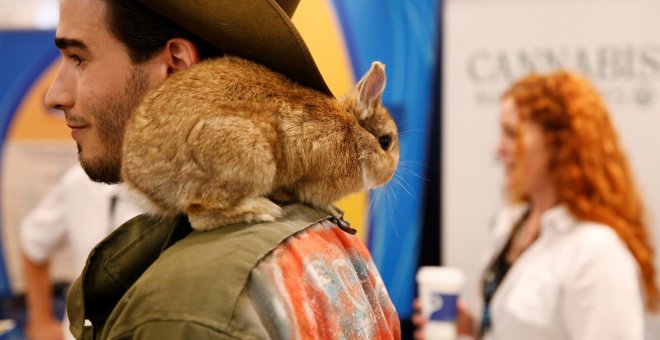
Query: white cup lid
(440,275)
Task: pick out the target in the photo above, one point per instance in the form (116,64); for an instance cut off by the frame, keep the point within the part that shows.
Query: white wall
(488,44)
(26,14)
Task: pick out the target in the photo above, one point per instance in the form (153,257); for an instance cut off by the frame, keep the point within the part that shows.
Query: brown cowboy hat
(258,30)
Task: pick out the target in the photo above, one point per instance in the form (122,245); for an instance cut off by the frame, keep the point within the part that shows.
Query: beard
(111,115)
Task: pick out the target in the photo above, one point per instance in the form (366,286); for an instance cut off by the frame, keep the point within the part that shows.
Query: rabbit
(216,141)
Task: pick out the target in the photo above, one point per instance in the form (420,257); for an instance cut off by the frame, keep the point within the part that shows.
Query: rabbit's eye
(385,142)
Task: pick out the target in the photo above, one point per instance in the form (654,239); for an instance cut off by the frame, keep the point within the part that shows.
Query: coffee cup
(439,288)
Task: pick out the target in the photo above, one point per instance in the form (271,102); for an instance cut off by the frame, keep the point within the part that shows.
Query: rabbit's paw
(258,209)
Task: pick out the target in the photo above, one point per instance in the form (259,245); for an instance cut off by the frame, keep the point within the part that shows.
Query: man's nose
(60,95)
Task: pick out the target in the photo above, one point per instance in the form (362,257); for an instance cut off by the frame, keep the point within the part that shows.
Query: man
(301,276)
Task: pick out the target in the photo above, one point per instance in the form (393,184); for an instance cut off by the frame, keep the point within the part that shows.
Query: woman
(570,257)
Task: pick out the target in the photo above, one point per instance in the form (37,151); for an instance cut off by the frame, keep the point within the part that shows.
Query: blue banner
(403,35)
(25,55)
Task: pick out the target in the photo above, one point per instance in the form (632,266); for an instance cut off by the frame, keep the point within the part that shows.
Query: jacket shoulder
(200,278)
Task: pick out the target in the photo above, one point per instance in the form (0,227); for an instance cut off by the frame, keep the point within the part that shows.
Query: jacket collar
(116,263)
(558,219)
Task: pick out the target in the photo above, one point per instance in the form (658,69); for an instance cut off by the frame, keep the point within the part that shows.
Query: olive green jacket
(154,278)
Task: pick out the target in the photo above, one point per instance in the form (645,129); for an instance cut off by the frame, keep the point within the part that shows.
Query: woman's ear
(180,54)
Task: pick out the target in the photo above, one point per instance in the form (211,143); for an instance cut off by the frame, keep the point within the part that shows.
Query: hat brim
(258,30)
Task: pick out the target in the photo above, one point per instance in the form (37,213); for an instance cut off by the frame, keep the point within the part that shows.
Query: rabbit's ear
(370,88)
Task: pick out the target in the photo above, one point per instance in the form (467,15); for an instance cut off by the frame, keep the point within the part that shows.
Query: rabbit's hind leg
(236,171)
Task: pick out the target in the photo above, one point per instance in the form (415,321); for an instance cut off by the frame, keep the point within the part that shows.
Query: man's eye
(76,59)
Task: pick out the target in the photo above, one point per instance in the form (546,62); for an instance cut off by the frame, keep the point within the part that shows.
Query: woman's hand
(465,321)
(418,320)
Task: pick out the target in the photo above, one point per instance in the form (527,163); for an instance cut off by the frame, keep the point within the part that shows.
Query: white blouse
(577,281)
(76,211)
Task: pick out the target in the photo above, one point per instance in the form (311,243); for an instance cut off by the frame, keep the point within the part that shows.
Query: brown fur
(218,139)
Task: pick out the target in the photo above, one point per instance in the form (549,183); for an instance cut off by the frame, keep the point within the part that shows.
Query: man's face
(97,86)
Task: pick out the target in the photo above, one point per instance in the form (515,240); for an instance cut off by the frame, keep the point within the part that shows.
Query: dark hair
(145,33)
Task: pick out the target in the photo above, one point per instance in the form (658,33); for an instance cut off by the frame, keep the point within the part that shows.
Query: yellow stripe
(32,120)
(318,25)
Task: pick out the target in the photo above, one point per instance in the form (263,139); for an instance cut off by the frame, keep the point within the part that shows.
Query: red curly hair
(587,166)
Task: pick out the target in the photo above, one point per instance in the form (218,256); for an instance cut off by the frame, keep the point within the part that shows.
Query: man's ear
(180,54)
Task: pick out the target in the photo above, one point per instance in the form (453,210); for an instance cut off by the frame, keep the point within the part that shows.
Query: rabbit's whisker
(391,211)
(398,182)
(411,172)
